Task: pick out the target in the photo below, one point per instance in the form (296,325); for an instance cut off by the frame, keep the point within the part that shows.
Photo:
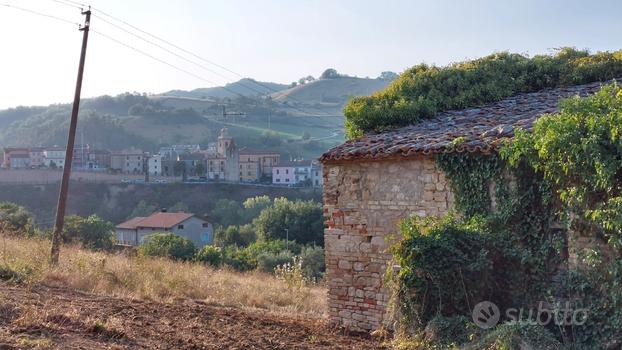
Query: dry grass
(156,279)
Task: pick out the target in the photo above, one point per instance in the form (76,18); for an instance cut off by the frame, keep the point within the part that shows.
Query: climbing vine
(516,210)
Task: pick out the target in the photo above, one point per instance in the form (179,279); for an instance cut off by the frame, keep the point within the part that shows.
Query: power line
(170,51)
(176,67)
(39,13)
(66,3)
(193,54)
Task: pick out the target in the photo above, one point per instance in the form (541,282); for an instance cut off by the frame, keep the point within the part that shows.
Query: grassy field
(163,280)
(94,300)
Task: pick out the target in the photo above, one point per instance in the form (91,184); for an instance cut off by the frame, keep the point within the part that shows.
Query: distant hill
(329,94)
(300,121)
(245,87)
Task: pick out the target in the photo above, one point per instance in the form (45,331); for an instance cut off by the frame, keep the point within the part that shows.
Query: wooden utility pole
(64,186)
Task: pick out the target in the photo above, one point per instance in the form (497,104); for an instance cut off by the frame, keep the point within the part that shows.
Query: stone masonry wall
(364,203)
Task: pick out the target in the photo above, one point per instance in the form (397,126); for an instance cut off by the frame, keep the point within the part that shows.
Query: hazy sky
(280,40)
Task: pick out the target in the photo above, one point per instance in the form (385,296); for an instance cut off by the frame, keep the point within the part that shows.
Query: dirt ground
(41,317)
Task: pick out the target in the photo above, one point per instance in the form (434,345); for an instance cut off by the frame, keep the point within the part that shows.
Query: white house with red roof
(196,229)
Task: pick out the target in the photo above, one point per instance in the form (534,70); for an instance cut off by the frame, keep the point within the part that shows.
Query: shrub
(91,232)
(209,255)
(313,263)
(268,261)
(422,91)
(519,335)
(238,258)
(168,245)
(241,236)
(15,219)
(449,331)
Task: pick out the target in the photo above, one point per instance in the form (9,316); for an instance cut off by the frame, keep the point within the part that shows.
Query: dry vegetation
(112,301)
(155,279)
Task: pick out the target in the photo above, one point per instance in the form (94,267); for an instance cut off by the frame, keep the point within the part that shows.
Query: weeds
(25,260)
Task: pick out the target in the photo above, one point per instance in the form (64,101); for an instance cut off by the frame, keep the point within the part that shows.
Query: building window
(287,180)
(180,227)
(277,171)
(278,180)
(205,224)
(286,171)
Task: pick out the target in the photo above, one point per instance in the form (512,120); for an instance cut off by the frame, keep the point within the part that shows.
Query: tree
(226,212)
(302,81)
(310,78)
(143,209)
(303,220)
(15,219)
(240,236)
(387,75)
(91,232)
(52,165)
(254,205)
(168,245)
(179,207)
(330,73)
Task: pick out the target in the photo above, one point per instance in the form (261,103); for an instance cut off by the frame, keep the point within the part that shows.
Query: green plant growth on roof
(422,91)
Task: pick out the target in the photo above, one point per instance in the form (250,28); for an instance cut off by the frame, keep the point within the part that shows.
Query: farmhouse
(134,231)
(372,182)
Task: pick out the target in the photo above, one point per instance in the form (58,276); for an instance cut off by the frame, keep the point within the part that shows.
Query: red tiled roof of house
(480,129)
(131,223)
(156,220)
(163,220)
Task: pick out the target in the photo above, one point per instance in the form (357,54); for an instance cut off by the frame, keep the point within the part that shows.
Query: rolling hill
(245,87)
(301,121)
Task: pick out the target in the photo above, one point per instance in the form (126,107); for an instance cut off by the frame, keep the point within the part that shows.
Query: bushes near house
(210,255)
(168,245)
(422,91)
(91,232)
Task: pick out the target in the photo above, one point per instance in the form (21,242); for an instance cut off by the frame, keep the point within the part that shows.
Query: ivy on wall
(570,163)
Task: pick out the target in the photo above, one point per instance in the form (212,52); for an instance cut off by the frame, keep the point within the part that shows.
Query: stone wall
(364,203)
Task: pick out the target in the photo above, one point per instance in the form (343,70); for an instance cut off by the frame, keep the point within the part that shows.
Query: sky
(276,40)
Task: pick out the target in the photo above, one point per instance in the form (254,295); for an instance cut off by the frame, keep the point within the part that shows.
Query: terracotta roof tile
(155,220)
(163,220)
(130,224)
(481,129)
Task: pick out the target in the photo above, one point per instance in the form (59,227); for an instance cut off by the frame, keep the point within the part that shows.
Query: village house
(154,164)
(21,158)
(264,159)
(134,231)
(128,161)
(99,159)
(36,157)
(303,172)
(372,182)
(54,157)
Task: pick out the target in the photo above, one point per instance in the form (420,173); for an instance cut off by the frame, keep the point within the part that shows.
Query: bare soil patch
(60,318)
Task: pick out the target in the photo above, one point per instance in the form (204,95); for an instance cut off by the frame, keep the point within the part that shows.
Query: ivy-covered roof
(480,129)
